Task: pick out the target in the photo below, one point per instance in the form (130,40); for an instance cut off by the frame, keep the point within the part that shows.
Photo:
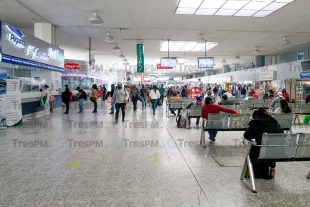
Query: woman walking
(155,95)
(66,98)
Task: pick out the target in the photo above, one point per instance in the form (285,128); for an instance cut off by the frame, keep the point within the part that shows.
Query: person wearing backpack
(94,97)
(82,96)
(243,91)
(66,98)
(120,97)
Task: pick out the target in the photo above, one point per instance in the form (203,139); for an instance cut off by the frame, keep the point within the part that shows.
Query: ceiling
(154,22)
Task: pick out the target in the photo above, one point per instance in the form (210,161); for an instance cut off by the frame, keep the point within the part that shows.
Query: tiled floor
(119,170)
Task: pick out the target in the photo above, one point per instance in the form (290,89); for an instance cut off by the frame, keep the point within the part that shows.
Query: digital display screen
(305,65)
(206,62)
(168,62)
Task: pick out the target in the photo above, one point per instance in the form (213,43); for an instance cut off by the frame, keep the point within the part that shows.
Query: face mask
(119,87)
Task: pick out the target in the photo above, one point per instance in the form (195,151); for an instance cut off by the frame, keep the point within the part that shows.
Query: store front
(34,62)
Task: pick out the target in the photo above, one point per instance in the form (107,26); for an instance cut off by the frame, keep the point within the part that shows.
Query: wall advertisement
(3,76)
(13,104)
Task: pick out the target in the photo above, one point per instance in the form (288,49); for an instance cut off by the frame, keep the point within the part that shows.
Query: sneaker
(79,112)
(197,125)
(66,113)
(154,113)
(94,112)
(112,112)
(123,120)
(116,122)
(187,127)
(212,140)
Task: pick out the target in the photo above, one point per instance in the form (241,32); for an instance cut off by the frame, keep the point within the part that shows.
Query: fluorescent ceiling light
(186,11)
(274,6)
(241,8)
(187,46)
(262,13)
(206,11)
(245,13)
(190,3)
(256,5)
(226,12)
(234,4)
(212,4)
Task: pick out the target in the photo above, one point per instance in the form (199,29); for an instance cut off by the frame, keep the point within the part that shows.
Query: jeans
(112,107)
(95,106)
(162,99)
(119,106)
(134,101)
(143,102)
(154,104)
(81,104)
(212,135)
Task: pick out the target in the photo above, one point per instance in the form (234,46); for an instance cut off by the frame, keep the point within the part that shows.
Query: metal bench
(285,121)
(278,148)
(193,112)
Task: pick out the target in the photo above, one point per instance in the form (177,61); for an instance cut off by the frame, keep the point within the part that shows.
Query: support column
(46,32)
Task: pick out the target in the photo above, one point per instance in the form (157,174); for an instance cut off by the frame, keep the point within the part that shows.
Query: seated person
(260,124)
(293,101)
(284,108)
(197,103)
(212,97)
(249,96)
(225,101)
(210,107)
(276,100)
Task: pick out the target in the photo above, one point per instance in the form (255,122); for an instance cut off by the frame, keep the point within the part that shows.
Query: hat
(280,94)
(199,98)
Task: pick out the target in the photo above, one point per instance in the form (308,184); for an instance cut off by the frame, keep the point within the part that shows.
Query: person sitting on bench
(197,103)
(261,123)
(210,107)
(225,101)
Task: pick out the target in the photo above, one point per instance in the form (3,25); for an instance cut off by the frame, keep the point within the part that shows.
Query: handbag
(109,100)
(92,99)
(160,103)
(42,102)
(149,100)
(52,99)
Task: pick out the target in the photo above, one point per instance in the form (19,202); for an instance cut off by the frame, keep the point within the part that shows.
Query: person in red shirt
(209,107)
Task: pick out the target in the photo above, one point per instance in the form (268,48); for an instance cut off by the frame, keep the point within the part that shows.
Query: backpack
(84,95)
(181,121)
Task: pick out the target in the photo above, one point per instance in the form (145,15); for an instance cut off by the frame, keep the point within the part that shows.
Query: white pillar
(49,33)
(46,32)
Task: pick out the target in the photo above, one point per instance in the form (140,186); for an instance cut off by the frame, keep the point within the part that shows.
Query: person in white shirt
(47,96)
(284,108)
(155,95)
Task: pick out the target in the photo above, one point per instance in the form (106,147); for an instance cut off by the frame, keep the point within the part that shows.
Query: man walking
(120,97)
(143,94)
(134,94)
(162,93)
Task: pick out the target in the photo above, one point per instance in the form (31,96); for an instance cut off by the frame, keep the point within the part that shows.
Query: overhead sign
(72,66)
(305,65)
(159,67)
(140,58)
(268,75)
(19,47)
(305,75)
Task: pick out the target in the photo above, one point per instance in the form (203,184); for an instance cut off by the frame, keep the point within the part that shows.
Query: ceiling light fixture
(237,57)
(223,61)
(95,19)
(116,48)
(256,51)
(125,60)
(240,8)
(121,55)
(109,38)
(285,42)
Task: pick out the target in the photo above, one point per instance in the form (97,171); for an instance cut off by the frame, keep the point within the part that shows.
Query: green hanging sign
(140,58)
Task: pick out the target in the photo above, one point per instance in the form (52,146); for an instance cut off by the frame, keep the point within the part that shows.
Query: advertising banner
(13,103)
(3,76)
(140,58)
(21,48)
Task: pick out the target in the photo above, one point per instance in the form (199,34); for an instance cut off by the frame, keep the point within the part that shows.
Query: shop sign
(72,66)
(140,58)
(268,75)
(159,67)
(305,75)
(21,46)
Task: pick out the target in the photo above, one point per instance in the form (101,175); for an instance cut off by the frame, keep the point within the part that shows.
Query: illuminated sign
(72,66)
(55,54)
(34,53)
(16,36)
